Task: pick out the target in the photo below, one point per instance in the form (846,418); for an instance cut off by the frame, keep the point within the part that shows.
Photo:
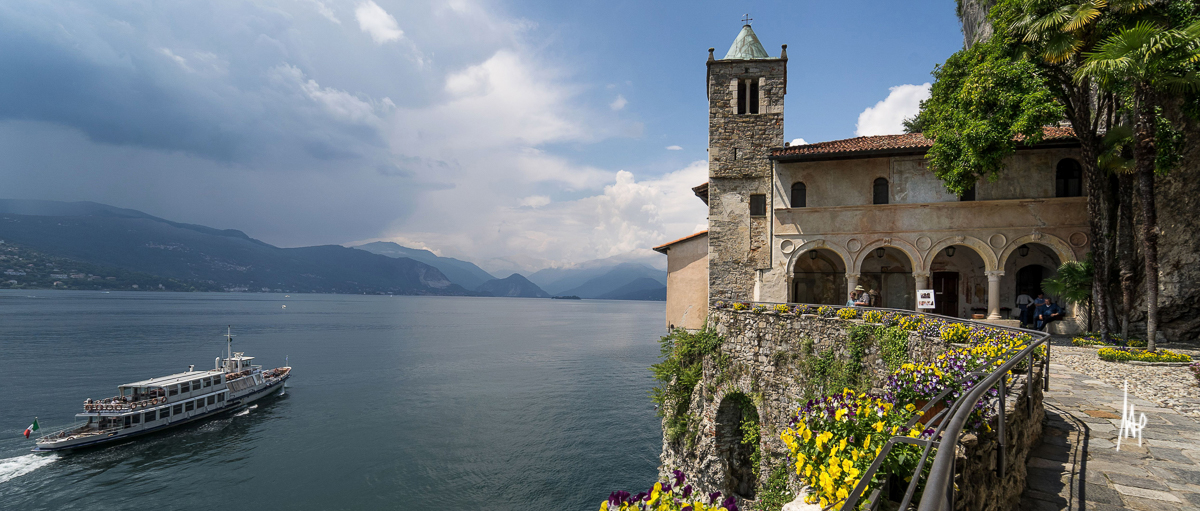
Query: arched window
(881,191)
(1068,179)
(799,195)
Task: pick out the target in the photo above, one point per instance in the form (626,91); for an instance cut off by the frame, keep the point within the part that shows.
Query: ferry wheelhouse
(160,403)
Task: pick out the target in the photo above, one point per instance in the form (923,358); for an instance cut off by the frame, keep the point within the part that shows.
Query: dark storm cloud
(204,80)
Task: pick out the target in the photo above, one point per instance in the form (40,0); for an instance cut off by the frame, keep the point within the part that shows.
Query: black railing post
(1000,431)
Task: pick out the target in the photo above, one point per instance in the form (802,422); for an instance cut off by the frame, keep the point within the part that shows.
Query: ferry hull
(118,436)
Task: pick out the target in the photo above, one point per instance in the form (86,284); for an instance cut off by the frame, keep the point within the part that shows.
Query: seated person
(1048,312)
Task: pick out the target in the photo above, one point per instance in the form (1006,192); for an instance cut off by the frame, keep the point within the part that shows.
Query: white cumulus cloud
(798,141)
(674,148)
(375,21)
(535,201)
(618,103)
(887,116)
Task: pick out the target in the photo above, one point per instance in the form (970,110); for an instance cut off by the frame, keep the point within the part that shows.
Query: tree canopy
(984,102)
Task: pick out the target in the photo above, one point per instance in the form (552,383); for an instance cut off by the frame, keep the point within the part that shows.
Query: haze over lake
(395,402)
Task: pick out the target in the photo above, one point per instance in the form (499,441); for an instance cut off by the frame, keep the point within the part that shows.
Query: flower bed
(826,311)
(847,313)
(1093,339)
(835,439)
(670,495)
(1136,355)
(782,309)
(873,316)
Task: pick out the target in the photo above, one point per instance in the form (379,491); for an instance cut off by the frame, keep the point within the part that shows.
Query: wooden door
(945,293)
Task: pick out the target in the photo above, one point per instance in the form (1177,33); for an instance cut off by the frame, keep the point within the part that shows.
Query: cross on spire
(746,19)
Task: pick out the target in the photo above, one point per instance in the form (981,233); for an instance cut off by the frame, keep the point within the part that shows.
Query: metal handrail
(939,493)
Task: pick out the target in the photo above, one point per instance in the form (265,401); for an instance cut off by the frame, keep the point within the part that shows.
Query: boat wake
(241,413)
(16,467)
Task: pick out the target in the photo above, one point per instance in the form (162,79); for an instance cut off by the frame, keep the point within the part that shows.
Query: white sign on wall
(925,299)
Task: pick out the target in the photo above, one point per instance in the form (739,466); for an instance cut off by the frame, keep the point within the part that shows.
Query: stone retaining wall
(980,486)
(763,358)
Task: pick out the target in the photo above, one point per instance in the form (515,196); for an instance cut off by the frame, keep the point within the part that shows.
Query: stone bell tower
(745,121)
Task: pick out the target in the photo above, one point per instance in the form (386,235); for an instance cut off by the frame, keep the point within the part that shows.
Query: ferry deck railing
(938,494)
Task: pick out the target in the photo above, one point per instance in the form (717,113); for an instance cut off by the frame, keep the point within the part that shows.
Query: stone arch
(1061,248)
(910,250)
(741,473)
(847,259)
(979,246)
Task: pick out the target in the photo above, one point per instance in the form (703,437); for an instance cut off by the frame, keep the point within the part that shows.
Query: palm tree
(1117,159)
(1139,62)
(1059,33)
(1073,284)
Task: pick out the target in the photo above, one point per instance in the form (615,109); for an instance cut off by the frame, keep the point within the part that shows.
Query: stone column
(851,282)
(922,282)
(993,304)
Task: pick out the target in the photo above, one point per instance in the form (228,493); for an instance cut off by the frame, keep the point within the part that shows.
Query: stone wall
(980,486)
(763,358)
(765,362)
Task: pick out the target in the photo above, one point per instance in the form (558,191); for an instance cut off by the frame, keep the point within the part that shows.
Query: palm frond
(1060,47)
(1083,15)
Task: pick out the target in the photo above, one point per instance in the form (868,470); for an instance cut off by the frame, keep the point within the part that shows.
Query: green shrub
(678,373)
(1126,354)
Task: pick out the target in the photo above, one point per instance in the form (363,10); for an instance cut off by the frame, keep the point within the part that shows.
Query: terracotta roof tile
(914,141)
(663,248)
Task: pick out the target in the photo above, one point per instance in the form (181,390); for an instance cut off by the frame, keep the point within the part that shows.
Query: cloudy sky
(515,134)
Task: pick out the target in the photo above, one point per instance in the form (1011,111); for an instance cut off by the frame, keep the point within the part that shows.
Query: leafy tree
(983,103)
(1140,62)
(1073,284)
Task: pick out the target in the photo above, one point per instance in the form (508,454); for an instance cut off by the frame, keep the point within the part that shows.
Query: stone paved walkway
(1077,467)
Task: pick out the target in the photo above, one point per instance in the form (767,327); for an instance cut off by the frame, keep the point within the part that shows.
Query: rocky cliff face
(973,15)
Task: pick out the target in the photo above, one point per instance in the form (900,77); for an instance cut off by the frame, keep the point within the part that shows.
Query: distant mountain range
(600,279)
(601,282)
(189,256)
(228,259)
(460,272)
(514,285)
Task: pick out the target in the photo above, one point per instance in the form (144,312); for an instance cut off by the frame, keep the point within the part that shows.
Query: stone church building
(809,223)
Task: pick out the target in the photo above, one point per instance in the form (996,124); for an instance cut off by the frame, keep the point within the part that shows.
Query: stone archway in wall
(737,443)
(886,270)
(818,277)
(958,277)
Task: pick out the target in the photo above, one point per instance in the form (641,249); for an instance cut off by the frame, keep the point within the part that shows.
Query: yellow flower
(839,414)
(842,445)
(604,506)
(867,442)
(910,407)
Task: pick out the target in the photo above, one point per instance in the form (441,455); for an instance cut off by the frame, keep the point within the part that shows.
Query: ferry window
(758,205)
(220,397)
(196,385)
(164,413)
(137,418)
(1068,179)
(881,191)
(151,415)
(799,195)
(185,387)
(127,421)
(189,406)
(212,399)
(174,390)
(207,382)
(177,409)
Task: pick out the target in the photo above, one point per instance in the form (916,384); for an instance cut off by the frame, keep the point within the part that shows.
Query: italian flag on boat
(32,427)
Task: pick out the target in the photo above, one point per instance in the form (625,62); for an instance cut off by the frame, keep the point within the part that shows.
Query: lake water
(395,402)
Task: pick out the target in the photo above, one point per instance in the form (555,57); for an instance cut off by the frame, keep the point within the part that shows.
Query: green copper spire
(746,46)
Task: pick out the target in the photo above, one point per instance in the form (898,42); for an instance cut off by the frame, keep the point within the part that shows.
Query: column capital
(994,274)
(920,274)
(854,276)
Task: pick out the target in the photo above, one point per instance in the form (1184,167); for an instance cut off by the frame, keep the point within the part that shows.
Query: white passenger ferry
(160,403)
